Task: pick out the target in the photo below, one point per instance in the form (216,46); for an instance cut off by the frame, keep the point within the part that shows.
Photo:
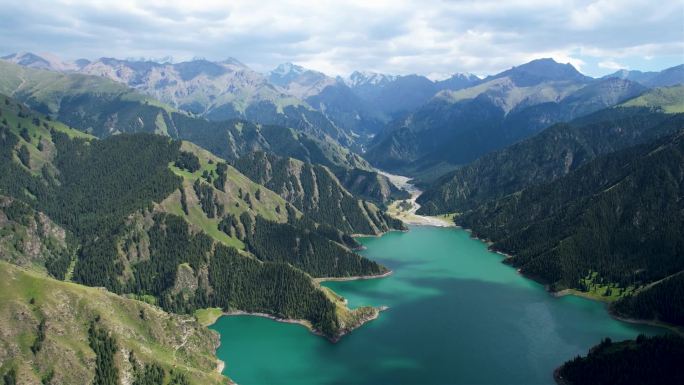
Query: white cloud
(402,36)
(612,65)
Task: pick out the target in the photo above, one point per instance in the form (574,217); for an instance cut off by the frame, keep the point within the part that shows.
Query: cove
(457,316)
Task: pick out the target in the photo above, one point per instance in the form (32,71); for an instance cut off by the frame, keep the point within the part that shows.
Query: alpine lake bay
(457,315)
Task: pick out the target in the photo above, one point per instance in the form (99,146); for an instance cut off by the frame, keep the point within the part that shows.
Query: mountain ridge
(457,127)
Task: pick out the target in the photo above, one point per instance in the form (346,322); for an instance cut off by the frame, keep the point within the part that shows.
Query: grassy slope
(350,318)
(546,91)
(605,292)
(173,341)
(49,87)
(208,316)
(669,99)
(11,111)
(266,206)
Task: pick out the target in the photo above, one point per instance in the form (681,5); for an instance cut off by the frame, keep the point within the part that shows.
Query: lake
(457,316)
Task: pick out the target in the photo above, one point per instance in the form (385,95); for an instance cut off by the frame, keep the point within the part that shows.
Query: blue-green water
(457,316)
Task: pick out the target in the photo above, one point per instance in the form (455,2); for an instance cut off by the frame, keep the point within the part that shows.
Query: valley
(198,221)
(406,209)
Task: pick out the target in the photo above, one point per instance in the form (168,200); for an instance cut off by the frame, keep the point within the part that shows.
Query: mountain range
(668,77)
(457,127)
(135,191)
(229,89)
(549,155)
(407,124)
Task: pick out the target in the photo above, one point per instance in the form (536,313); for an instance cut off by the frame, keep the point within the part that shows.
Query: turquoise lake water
(457,316)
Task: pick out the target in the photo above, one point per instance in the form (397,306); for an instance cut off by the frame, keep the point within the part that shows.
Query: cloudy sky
(434,38)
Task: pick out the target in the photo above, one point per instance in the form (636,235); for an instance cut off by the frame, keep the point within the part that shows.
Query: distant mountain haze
(403,123)
(288,94)
(457,126)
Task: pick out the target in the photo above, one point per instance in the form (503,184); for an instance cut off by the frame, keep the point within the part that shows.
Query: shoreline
(576,293)
(673,328)
(353,278)
(358,235)
(361,322)
(402,182)
(301,322)
(307,324)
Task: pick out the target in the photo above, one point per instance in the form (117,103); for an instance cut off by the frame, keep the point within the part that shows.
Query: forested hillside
(610,227)
(62,333)
(549,155)
(315,191)
(662,301)
(148,218)
(644,361)
(29,238)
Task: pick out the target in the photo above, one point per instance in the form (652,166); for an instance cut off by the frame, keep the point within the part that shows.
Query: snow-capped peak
(360,78)
(288,69)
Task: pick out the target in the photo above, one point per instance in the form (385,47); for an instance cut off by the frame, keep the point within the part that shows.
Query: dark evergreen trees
(150,374)
(275,288)
(545,157)
(209,202)
(645,361)
(95,189)
(99,184)
(663,301)
(620,216)
(40,337)
(104,346)
(25,134)
(305,248)
(188,161)
(24,156)
(222,172)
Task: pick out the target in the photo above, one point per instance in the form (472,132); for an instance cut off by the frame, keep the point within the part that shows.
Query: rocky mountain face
(541,71)
(668,77)
(103,107)
(44,61)
(394,96)
(299,81)
(228,90)
(406,124)
(199,86)
(456,127)
(350,110)
(317,192)
(369,185)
